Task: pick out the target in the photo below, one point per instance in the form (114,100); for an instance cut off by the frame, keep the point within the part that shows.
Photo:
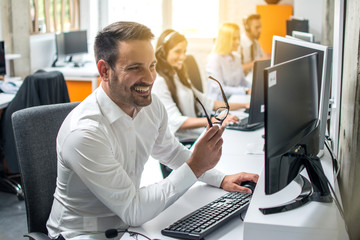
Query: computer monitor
(2,59)
(309,37)
(257,109)
(255,119)
(292,131)
(69,44)
(296,25)
(285,49)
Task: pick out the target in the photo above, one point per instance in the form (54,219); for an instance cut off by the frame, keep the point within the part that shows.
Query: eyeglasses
(220,113)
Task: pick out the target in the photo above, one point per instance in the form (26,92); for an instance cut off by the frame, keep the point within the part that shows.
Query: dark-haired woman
(175,90)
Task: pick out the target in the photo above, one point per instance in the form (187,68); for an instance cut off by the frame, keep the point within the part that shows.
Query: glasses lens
(221,113)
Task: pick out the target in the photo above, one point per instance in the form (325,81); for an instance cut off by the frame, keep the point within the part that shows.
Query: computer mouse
(249,184)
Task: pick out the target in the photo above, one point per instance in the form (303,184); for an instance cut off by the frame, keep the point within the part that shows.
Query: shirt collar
(109,109)
(246,41)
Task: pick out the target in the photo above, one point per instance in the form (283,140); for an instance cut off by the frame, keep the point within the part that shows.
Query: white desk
(312,221)
(5,99)
(81,81)
(88,72)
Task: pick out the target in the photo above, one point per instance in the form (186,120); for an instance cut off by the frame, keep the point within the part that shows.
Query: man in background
(250,48)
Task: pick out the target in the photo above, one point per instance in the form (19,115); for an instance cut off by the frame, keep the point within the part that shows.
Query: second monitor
(69,44)
(255,120)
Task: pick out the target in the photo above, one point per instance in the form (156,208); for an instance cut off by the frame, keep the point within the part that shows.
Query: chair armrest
(37,236)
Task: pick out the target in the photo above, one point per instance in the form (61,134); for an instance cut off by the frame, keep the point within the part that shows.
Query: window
(54,15)
(196,18)
(147,12)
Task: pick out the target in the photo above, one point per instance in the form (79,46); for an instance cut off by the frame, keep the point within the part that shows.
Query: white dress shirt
(101,156)
(229,72)
(246,48)
(186,104)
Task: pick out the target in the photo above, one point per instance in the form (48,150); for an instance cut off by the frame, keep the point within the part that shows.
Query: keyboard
(210,217)
(244,126)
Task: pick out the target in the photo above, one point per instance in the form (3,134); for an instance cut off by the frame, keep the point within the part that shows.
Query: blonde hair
(224,40)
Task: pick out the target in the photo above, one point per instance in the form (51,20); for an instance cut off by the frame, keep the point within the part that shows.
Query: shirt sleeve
(173,154)
(176,119)
(213,69)
(90,156)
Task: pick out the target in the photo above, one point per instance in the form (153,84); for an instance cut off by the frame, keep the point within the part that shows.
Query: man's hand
(232,183)
(207,151)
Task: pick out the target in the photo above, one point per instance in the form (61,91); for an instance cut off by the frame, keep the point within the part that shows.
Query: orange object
(80,89)
(273,19)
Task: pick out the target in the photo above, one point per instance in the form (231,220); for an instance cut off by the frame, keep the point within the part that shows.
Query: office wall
(313,10)
(15,30)
(236,10)
(349,142)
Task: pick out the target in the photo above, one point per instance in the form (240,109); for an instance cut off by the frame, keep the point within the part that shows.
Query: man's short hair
(249,18)
(107,40)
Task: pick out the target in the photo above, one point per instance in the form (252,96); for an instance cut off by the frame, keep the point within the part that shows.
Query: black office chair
(195,77)
(193,72)
(40,88)
(35,131)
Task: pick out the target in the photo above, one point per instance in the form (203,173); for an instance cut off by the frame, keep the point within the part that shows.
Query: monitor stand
(316,190)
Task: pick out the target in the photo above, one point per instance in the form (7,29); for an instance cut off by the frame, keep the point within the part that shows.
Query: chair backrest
(193,72)
(40,88)
(35,131)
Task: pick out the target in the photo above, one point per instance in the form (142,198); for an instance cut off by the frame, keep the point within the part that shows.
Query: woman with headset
(224,64)
(175,90)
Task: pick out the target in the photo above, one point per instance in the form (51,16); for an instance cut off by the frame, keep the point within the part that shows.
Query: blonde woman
(224,64)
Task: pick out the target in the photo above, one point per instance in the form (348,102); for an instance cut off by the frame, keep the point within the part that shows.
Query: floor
(12,217)
(13,213)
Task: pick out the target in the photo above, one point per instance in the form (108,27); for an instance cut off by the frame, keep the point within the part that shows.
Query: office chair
(35,131)
(195,77)
(193,72)
(40,88)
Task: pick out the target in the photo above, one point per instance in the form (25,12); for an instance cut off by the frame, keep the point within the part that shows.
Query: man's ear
(104,70)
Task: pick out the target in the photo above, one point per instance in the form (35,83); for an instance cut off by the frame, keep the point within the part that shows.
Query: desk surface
(89,70)
(241,152)
(5,99)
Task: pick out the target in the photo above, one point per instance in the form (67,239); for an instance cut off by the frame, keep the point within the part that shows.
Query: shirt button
(132,151)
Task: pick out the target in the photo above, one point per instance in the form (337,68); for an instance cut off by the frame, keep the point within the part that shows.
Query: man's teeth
(142,89)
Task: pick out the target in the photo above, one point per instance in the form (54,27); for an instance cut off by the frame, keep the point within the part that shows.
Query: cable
(336,165)
(334,196)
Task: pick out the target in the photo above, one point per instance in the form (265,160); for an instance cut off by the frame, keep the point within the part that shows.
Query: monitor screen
(69,44)
(257,109)
(291,118)
(297,25)
(2,58)
(285,49)
(75,42)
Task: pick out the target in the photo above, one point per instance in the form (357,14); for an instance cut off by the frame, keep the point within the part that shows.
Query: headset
(160,52)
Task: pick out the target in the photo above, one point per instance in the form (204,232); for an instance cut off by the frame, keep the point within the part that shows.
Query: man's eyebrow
(135,64)
(139,64)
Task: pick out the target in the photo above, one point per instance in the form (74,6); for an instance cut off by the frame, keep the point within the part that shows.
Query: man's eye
(134,68)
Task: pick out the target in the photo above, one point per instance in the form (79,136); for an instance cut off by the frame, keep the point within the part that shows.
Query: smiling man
(104,143)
